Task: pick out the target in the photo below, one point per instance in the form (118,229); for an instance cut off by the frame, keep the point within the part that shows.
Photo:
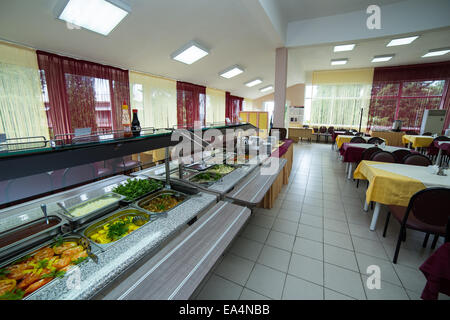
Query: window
(406,101)
(338,105)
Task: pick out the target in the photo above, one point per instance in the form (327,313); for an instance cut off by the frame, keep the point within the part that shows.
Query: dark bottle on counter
(135,124)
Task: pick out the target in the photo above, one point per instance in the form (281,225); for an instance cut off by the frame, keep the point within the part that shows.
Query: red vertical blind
(82,94)
(404,92)
(191,104)
(233,105)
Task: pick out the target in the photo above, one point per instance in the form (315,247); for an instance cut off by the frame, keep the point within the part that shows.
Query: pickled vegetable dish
(222,169)
(163,202)
(35,270)
(114,230)
(134,189)
(206,177)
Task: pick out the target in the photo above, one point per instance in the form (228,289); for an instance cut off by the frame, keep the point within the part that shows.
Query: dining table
(417,141)
(395,183)
(341,139)
(352,153)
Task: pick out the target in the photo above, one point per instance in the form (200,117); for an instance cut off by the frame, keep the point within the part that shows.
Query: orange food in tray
(33,271)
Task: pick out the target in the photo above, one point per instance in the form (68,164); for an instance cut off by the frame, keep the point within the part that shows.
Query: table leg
(350,170)
(366,205)
(409,145)
(376,213)
(438,159)
(346,167)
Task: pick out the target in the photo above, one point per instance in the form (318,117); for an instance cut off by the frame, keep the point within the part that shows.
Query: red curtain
(233,105)
(404,92)
(191,104)
(82,94)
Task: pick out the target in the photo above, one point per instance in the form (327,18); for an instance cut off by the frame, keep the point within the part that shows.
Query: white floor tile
(308,248)
(246,248)
(218,288)
(298,289)
(255,233)
(340,257)
(281,240)
(306,268)
(337,239)
(285,226)
(274,258)
(309,232)
(252,295)
(344,281)
(266,281)
(235,268)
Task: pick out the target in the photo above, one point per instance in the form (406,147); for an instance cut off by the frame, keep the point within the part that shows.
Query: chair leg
(371,205)
(399,242)
(404,235)
(386,224)
(357,184)
(425,240)
(435,240)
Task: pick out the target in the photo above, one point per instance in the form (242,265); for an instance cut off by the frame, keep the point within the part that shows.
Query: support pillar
(281,60)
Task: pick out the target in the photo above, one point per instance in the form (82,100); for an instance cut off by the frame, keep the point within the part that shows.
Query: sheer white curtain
(155,99)
(339,104)
(215,106)
(22,110)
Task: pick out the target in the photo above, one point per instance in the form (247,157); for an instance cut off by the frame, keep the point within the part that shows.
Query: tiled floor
(316,244)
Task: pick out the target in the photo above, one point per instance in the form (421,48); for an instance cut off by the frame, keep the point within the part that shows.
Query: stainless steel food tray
(71,237)
(126,202)
(99,223)
(11,249)
(142,202)
(84,199)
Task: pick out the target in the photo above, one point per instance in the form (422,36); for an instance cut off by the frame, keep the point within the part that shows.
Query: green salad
(221,169)
(134,189)
(206,177)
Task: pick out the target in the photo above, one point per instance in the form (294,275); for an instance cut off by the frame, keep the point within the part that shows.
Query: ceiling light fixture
(100,16)
(401,41)
(265,89)
(231,72)
(383,58)
(436,52)
(344,47)
(253,82)
(337,62)
(190,53)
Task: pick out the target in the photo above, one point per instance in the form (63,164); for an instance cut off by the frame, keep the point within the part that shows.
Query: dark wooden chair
(282,131)
(417,159)
(400,154)
(375,140)
(427,211)
(358,140)
(383,156)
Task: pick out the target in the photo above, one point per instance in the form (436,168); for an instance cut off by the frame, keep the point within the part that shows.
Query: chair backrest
(430,206)
(330,130)
(305,126)
(442,138)
(283,132)
(417,159)
(367,154)
(79,174)
(375,140)
(400,154)
(316,130)
(383,156)
(348,133)
(427,134)
(323,129)
(357,140)
(411,133)
(29,186)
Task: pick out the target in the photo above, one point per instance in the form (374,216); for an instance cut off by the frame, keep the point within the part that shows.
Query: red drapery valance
(404,92)
(233,105)
(191,104)
(82,94)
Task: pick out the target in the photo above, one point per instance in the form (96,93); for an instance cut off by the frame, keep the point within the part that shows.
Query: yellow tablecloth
(392,138)
(417,141)
(386,187)
(303,133)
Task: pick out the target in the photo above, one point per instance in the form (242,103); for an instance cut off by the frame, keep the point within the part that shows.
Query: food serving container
(92,251)
(143,202)
(29,234)
(85,199)
(114,216)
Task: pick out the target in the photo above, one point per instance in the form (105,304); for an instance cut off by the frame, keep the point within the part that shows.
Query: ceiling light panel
(253,82)
(337,62)
(265,89)
(231,72)
(344,47)
(100,16)
(401,41)
(436,52)
(382,58)
(190,53)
